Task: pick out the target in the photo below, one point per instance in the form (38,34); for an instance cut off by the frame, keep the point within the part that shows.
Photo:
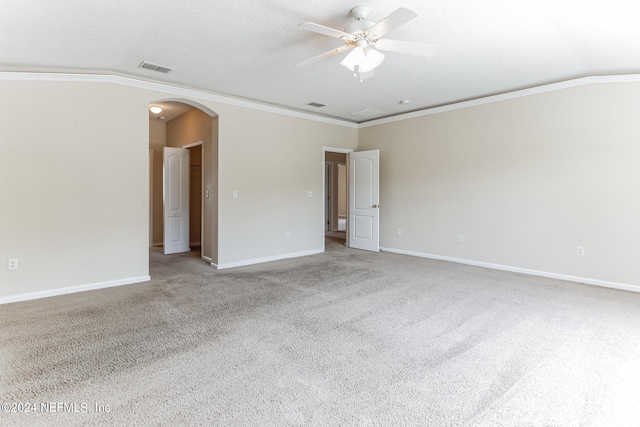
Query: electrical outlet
(287,235)
(580,250)
(12,264)
(460,238)
(398,232)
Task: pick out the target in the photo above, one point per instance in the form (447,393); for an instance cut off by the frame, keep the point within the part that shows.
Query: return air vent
(366,113)
(154,67)
(317,104)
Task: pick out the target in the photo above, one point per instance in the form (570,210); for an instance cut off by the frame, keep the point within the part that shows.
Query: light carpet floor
(341,338)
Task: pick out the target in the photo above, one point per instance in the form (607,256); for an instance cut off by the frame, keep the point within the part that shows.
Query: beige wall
(272,161)
(524,180)
(74,185)
(192,126)
(77,195)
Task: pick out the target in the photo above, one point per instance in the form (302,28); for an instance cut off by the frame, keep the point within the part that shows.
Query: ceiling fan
(363,38)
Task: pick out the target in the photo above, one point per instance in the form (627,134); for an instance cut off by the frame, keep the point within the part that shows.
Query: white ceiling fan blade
(407,47)
(391,22)
(323,56)
(321,29)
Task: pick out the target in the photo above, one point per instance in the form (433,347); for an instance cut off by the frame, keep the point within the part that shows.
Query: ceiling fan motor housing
(360,12)
(359,27)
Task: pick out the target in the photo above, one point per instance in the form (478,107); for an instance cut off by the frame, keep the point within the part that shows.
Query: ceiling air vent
(155,67)
(366,113)
(317,104)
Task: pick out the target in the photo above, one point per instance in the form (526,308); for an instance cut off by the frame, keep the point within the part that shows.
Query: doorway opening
(335,191)
(195,195)
(191,128)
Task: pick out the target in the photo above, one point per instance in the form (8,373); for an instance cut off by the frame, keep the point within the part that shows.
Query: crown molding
(582,81)
(167,88)
(210,96)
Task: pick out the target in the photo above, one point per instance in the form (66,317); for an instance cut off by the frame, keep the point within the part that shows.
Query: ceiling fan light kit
(361,60)
(362,37)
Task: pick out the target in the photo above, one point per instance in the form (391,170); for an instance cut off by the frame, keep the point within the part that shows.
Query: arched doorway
(182,123)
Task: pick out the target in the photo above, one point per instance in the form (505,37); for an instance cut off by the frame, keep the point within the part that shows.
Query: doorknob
(376,206)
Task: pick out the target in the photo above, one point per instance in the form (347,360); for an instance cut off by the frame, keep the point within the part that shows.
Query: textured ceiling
(249,48)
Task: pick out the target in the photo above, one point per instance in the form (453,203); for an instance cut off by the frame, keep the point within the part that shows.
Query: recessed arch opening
(187,124)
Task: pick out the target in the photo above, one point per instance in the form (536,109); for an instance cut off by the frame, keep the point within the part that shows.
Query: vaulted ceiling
(249,48)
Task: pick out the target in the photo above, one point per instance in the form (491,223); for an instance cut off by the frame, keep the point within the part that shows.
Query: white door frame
(324,190)
(345,188)
(150,197)
(328,195)
(195,144)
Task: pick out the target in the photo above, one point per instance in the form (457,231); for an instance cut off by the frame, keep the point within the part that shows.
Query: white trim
(194,144)
(627,78)
(209,96)
(337,150)
(73,289)
(267,259)
(328,196)
(150,174)
(195,104)
(202,189)
(584,280)
(180,91)
(206,258)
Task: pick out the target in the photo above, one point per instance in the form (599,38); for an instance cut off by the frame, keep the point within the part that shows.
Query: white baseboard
(73,289)
(585,280)
(159,245)
(206,258)
(267,259)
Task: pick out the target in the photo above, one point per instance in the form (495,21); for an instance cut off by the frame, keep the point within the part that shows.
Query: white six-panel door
(176,200)
(364,200)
